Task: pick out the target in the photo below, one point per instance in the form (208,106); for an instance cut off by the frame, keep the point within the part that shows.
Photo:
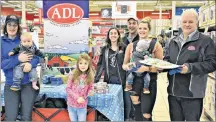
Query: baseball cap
(133,18)
(12,18)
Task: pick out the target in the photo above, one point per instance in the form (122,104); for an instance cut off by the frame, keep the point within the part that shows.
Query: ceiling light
(32,12)
(193,2)
(21,9)
(93,13)
(163,6)
(102,3)
(146,10)
(4,2)
(161,13)
(93,5)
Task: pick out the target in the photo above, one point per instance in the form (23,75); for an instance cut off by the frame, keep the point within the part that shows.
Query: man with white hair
(196,53)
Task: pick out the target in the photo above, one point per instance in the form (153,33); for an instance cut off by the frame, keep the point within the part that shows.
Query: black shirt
(112,63)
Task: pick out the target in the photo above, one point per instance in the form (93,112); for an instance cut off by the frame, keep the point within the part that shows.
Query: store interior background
(165,16)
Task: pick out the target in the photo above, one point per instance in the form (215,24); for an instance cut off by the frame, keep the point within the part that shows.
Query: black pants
(181,109)
(147,100)
(24,98)
(128,106)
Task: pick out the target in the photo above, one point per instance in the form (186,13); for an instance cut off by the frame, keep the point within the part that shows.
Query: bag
(101,88)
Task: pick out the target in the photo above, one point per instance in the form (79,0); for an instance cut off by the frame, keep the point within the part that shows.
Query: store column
(23,15)
(174,22)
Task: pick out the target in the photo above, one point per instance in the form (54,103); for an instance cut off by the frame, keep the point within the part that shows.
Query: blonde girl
(80,85)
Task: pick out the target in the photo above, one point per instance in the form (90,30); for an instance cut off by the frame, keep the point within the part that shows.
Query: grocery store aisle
(161,108)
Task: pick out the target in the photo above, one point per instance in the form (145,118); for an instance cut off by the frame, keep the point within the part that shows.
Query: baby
(140,53)
(26,45)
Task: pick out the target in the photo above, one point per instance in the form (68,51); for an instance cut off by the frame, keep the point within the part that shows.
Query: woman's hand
(154,69)
(27,67)
(128,66)
(23,57)
(184,69)
(143,69)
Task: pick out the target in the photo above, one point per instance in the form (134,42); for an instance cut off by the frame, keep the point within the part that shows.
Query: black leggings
(147,100)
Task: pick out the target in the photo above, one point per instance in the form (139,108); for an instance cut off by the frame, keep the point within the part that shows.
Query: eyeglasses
(12,25)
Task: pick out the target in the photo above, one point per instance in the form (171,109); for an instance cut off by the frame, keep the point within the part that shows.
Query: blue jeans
(146,79)
(77,114)
(18,74)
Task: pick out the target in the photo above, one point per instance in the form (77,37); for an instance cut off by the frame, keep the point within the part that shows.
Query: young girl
(80,85)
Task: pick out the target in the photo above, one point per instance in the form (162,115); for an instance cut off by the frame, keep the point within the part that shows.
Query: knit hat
(142,45)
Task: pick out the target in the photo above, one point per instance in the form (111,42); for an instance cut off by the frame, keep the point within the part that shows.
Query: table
(111,104)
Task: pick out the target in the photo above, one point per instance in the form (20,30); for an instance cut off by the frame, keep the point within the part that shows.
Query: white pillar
(23,14)
(160,19)
(174,21)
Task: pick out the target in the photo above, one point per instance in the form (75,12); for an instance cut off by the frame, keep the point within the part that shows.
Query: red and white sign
(65,13)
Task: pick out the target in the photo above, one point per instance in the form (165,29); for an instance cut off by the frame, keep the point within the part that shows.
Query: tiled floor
(161,108)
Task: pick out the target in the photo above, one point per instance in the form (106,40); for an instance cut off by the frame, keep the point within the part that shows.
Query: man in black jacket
(131,35)
(196,53)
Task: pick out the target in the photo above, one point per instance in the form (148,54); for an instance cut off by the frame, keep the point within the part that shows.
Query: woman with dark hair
(144,103)
(110,61)
(25,97)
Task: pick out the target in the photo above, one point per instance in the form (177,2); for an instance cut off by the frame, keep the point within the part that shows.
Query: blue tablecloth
(111,104)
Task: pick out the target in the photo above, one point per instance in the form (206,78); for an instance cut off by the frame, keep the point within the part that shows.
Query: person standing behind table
(196,53)
(111,60)
(144,103)
(130,36)
(80,85)
(26,96)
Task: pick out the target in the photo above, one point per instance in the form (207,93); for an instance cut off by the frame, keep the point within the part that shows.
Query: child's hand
(91,93)
(80,100)
(10,53)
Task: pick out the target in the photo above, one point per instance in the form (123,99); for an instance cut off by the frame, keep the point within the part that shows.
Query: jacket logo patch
(191,48)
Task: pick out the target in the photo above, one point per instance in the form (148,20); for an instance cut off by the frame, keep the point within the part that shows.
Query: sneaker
(127,89)
(146,91)
(15,87)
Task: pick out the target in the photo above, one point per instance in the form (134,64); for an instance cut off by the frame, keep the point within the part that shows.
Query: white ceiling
(96,5)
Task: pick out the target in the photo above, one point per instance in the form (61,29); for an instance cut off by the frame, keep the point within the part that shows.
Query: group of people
(119,60)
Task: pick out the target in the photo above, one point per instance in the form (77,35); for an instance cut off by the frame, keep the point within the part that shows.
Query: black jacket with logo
(199,54)
(102,66)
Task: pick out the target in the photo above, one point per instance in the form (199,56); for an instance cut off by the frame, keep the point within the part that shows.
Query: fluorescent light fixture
(163,6)
(19,9)
(93,5)
(11,6)
(193,2)
(159,13)
(32,12)
(147,2)
(146,10)
(103,2)
(93,13)
(4,2)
